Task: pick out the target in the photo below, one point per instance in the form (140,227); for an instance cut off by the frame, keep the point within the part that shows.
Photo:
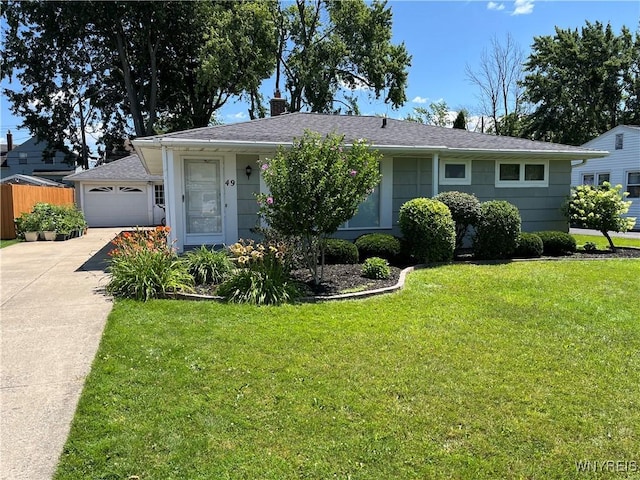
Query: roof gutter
(189,143)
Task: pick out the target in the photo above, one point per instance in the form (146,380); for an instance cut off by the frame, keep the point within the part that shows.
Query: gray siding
(247,188)
(412,178)
(539,207)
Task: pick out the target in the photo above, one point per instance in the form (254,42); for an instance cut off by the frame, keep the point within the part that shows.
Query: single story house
(119,194)
(211,174)
(620,167)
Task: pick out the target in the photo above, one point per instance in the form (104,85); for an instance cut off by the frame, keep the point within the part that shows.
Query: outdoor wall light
(248,171)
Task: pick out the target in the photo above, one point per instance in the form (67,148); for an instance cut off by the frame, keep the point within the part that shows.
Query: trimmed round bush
(497,231)
(380,245)
(339,251)
(428,229)
(529,246)
(376,268)
(556,242)
(465,210)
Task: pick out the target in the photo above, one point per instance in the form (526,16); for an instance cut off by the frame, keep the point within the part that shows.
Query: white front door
(203,212)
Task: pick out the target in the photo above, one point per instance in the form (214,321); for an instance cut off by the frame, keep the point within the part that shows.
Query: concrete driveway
(52,313)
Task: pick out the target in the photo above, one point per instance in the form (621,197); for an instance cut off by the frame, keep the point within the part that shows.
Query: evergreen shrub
(337,251)
(497,231)
(378,245)
(556,242)
(428,230)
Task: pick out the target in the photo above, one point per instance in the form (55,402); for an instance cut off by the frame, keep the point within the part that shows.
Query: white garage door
(116,206)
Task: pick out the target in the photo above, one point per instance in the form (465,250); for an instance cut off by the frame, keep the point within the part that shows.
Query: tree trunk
(606,235)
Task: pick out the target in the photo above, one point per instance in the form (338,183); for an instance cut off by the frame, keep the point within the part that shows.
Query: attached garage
(116,205)
(120,194)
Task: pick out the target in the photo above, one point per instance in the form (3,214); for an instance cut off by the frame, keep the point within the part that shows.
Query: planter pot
(31,236)
(61,237)
(49,236)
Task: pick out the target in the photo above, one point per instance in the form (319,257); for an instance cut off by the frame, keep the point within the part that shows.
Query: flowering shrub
(262,277)
(144,266)
(314,188)
(599,207)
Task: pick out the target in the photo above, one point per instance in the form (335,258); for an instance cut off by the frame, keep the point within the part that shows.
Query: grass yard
(602,243)
(6,243)
(516,370)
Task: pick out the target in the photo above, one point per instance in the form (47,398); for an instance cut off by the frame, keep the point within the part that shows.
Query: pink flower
(270,200)
(353,173)
(265,166)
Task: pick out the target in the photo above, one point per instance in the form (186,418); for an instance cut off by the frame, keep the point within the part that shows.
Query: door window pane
(202,199)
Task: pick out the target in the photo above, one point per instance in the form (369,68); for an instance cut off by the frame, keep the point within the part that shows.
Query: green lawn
(6,243)
(516,370)
(602,243)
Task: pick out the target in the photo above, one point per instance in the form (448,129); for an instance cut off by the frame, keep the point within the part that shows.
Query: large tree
(134,66)
(329,49)
(582,83)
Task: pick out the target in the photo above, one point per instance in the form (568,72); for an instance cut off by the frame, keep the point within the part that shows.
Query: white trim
(521,183)
(435,175)
(466,180)
(626,183)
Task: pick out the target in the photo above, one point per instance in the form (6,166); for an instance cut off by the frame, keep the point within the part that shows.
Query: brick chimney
(278,105)
(9,141)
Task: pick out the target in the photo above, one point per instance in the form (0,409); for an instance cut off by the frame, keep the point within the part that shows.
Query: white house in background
(119,194)
(622,166)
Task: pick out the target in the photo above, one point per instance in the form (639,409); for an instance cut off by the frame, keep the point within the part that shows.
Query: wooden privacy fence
(17,199)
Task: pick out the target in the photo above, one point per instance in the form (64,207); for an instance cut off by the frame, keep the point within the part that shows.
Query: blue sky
(443,37)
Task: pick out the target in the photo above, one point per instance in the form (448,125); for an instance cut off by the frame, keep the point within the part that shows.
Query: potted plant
(28,225)
(48,228)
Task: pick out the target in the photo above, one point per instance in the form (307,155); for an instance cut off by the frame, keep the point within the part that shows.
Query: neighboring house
(622,166)
(19,179)
(32,158)
(119,194)
(211,174)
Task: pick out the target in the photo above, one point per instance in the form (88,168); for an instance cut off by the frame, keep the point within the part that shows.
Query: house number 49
(230,183)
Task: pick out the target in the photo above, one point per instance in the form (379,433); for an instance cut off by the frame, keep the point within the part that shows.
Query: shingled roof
(125,169)
(376,130)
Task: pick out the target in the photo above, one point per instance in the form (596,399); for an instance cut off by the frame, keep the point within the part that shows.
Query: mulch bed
(339,279)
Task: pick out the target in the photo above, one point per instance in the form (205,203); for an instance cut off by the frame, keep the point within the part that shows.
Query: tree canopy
(136,67)
(582,83)
(328,47)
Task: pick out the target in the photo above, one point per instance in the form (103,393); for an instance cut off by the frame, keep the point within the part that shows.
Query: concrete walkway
(52,313)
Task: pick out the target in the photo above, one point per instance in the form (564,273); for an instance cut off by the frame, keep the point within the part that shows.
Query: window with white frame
(619,141)
(376,210)
(23,158)
(595,178)
(588,179)
(603,177)
(633,184)
(368,214)
(455,172)
(522,174)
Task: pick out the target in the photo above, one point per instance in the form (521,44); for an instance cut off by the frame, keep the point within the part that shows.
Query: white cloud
(237,116)
(419,99)
(523,7)
(495,6)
